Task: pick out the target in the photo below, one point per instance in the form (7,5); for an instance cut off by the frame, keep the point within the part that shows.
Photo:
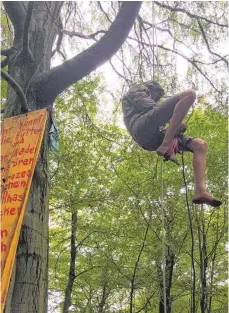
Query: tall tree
(32,85)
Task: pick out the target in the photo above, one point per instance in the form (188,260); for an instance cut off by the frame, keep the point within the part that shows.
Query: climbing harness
(175,148)
(169,156)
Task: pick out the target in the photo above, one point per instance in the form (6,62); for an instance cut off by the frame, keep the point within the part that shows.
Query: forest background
(105,201)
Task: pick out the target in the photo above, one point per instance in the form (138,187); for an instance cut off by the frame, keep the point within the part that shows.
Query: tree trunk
(169,274)
(28,287)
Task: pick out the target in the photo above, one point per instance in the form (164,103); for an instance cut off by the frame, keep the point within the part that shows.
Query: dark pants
(146,129)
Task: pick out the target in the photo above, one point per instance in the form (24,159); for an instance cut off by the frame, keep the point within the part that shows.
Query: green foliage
(6,40)
(115,189)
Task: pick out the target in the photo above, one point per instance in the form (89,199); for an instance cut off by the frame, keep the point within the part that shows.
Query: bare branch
(59,41)
(119,74)
(17,89)
(135,269)
(147,302)
(101,8)
(81,35)
(190,14)
(207,44)
(56,21)
(193,62)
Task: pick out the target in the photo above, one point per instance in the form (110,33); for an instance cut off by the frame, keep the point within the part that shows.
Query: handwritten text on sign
(21,137)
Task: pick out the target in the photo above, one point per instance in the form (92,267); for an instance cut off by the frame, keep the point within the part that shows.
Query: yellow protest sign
(21,138)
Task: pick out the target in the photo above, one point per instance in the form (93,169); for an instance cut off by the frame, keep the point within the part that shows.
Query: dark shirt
(136,102)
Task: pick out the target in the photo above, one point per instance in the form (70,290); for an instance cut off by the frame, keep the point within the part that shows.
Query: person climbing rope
(145,121)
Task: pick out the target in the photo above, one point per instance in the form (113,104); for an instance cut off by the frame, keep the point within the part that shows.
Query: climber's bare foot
(206,198)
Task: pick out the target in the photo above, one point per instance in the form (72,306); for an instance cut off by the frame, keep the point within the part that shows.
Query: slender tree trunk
(71,275)
(203,262)
(103,299)
(169,274)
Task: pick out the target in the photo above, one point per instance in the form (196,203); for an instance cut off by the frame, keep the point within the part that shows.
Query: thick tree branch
(17,89)
(4,62)
(26,27)
(6,52)
(17,14)
(50,84)
(198,17)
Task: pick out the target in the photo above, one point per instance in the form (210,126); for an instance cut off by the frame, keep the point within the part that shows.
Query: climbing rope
(162,191)
(153,29)
(163,239)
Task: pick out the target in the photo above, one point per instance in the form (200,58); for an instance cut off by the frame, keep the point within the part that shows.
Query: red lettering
(5,140)
(7,211)
(4,157)
(25,161)
(21,151)
(37,131)
(3,247)
(23,174)
(16,184)
(36,120)
(6,131)
(21,140)
(7,198)
(14,163)
(21,197)
(5,169)
(4,233)
(19,175)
